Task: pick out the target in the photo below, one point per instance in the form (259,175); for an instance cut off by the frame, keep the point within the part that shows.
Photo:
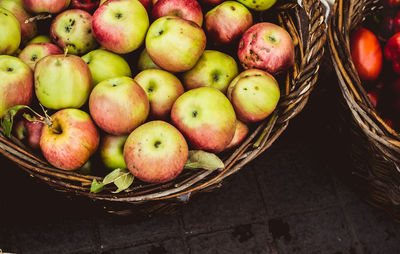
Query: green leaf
(123,182)
(96,187)
(201,159)
(8,119)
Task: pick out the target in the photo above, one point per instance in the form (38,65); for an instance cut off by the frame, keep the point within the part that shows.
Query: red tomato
(366,53)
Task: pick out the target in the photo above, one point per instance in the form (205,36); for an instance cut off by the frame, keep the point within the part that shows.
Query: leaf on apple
(96,187)
(201,159)
(122,178)
(8,119)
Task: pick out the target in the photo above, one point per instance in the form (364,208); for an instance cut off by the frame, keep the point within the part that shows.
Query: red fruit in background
(211,2)
(147,4)
(392,52)
(389,122)
(86,5)
(186,9)
(392,3)
(394,92)
(373,96)
(366,53)
(34,130)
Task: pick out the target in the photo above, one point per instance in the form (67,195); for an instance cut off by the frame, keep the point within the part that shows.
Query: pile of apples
(375,50)
(144,114)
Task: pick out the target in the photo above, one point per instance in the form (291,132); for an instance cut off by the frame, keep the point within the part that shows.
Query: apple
(120,25)
(186,9)
(72,30)
(254,95)
(214,69)
(268,47)
(258,5)
(16,86)
(206,118)
(62,81)
(39,39)
(146,4)
(104,64)
(227,22)
(32,53)
(31,131)
(162,89)
(118,105)
(211,2)
(175,44)
(70,140)
(156,152)
(241,132)
(145,62)
(86,5)
(10,31)
(28,30)
(112,151)
(48,6)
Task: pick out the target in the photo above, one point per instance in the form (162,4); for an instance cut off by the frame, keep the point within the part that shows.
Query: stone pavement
(289,200)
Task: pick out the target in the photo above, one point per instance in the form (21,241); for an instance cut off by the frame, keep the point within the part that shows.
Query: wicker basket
(375,147)
(306,25)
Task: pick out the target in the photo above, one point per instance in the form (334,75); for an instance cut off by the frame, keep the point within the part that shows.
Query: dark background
(292,199)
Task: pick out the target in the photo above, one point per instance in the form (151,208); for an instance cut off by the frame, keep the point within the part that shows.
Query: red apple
(211,2)
(70,140)
(28,30)
(32,53)
(86,5)
(268,47)
(186,9)
(118,105)
(16,86)
(49,6)
(373,96)
(120,25)
(156,152)
(241,132)
(227,22)
(206,118)
(162,89)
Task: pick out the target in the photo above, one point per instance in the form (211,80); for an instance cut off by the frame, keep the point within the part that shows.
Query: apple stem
(65,51)
(46,119)
(38,17)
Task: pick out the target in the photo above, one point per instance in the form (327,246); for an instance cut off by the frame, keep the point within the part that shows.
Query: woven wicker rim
(299,84)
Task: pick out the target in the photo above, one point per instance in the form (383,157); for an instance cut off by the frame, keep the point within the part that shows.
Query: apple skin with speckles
(16,86)
(254,95)
(226,22)
(120,25)
(86,5)
(10,31)
(206,118)
(72,30)
(73,79)
(175,44)
(156,152)
(119,105)
(45,6)
(32,53)
(71,140)
(258,5)
(186,9)
(162,89)
(268,47)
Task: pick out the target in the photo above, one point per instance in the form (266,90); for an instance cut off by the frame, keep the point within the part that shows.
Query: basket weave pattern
(295,92)
(375,146)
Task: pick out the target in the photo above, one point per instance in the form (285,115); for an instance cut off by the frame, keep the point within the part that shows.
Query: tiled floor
(289,200)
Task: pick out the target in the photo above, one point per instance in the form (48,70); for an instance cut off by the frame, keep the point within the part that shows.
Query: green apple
(120,25)
(32,53)
(72,30)
(39,39)
(145,62)
(214,69)
(104,64)
(254,95)
(156,152)
(162,89)
(118,105)
(258,5)
(16,86)
(206,118)
(10,31)
(28,29)
(62,81)
(175,44)
(112,151)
